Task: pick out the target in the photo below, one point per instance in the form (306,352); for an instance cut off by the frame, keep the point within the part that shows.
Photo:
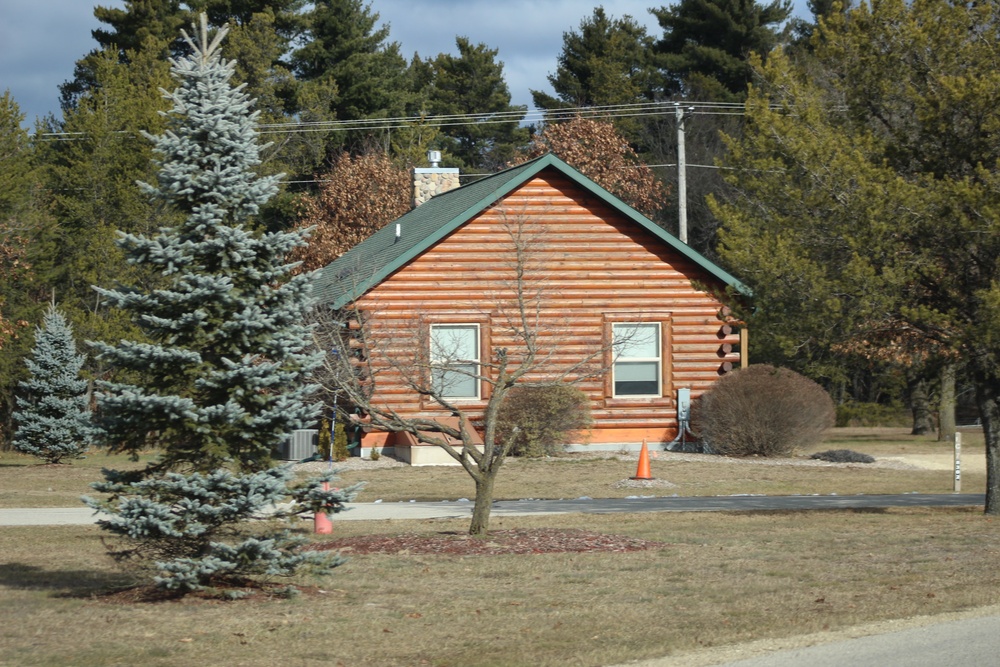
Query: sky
(41,40)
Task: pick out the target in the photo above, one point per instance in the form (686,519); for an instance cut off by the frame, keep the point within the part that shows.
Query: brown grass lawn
(572,477)
(25,483)
(718,579)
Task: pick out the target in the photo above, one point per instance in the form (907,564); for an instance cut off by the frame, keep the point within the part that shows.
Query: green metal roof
(373,260)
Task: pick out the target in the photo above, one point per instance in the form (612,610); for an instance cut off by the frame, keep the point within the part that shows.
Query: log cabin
(618,305)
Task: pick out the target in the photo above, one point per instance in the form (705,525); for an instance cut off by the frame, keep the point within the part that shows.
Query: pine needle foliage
(224,374)
(191,531)
(53,415)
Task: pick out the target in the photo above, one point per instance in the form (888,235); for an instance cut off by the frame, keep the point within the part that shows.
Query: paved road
(463,509)
(973,642)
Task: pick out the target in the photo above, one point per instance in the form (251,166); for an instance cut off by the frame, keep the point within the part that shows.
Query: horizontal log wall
(590,267)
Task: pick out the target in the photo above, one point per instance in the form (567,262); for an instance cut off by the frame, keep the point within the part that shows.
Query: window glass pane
(637,366)
(453,347)
(637,341)
(458,342)
(637,378)
(457,383)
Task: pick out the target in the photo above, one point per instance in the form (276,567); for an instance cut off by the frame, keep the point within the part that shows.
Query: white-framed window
(455,360)
(637,369)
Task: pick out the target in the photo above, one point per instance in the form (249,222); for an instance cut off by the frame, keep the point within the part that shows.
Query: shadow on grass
(63,583)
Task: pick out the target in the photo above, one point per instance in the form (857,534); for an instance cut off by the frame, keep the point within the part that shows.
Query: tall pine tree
(606,62)
(706,44)
(348,70)
(53,415)
(224,376)
(473,83)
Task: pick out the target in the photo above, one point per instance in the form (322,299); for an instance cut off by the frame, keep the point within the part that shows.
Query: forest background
(348,115)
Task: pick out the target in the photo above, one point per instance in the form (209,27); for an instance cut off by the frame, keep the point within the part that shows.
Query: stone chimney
(432,181)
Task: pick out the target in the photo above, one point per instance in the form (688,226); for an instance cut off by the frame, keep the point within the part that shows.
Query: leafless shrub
(762,411)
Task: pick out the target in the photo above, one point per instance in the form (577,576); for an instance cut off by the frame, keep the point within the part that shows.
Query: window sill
(639,402)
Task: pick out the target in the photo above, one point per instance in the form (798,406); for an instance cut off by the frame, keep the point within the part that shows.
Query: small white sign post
(958,462)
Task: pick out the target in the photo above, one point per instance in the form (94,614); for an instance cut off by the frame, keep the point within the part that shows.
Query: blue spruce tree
(53,417)
(225,371)
(226,366)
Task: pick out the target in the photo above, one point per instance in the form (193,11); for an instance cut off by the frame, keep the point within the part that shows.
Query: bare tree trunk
(988,400)
(484,503)
(946,410)
(920,403)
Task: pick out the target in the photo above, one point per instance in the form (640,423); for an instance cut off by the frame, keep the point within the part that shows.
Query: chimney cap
(434,157)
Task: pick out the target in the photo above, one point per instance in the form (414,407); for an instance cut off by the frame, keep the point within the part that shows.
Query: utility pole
(682,222)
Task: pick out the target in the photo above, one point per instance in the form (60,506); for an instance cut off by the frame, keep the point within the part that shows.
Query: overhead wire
(611,111)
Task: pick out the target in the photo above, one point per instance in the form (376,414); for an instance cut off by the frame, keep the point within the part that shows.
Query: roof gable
(376,258)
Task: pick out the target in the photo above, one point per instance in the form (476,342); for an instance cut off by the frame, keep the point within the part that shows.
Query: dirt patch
(498,542)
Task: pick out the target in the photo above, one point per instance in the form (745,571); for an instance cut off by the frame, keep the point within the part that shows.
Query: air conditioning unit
(301,444)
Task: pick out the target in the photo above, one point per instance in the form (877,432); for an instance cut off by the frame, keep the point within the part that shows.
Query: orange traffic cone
(643,470)
(321,520)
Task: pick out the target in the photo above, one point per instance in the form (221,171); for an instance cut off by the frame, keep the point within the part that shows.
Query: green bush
(762,411)
(340,449)
(323,440)
(338,440)
(541,419)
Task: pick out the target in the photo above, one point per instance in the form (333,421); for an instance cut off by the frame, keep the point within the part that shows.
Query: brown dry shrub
(545,417)
(762,411)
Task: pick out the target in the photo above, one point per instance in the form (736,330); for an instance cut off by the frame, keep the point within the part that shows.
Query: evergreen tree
(17,181)
(22,213)
(868,189)
(225,371)
(90,172)
(208,530)
(141,25)
(349,71)
(706,43)
(607,62)
(472,83)
(53,415)
(154,25)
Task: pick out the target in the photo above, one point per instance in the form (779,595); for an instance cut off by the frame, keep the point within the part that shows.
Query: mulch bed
(498,542)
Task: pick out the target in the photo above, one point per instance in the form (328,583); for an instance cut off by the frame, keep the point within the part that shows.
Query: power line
(643,109)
